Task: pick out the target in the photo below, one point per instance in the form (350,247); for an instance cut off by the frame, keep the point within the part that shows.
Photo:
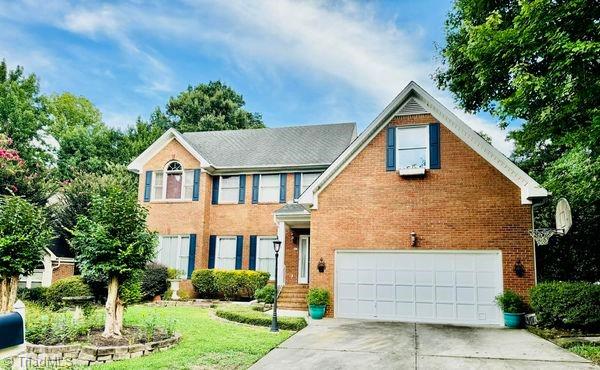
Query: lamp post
(274,325)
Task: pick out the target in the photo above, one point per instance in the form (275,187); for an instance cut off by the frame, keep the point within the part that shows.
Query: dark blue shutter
(212,247)
(297,180)
(242,197)
(390,154)
(239,251)
(255,181)
(252,262)
(148,186)
(282,187)
(215,190)
(196,189)
(192,257)
(434,146)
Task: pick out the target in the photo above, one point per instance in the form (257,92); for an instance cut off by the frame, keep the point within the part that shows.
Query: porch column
(281,267)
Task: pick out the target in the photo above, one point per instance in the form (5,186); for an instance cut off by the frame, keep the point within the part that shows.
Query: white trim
(218,249)
(307,238)
(278,187)
(138,163)
(530,189)
(397,150)
(237,200)
(179,247)
(281,262)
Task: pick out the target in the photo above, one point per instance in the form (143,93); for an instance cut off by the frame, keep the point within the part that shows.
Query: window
(174,252)
(307,179)
(229,190)
(34,280)
(173,183)
(265,255)
(225,253)
(412,147)
(268,189)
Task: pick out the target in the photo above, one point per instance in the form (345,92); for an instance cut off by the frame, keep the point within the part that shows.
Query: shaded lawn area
(206,342)
(589,351)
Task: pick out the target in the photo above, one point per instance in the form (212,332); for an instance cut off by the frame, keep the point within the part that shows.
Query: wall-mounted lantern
(413,239)
(321,265)
(519,269)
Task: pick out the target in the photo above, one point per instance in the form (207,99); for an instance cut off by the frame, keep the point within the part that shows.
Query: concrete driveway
(354,344)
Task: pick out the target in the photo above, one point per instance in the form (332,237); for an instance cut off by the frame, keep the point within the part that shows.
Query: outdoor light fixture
(276,248)
(321,265)
(519,269)
(413,239)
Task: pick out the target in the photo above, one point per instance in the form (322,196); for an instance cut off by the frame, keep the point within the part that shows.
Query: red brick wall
(62,271)
(467,204)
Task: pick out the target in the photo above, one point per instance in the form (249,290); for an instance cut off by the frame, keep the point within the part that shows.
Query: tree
(24,233)
(537,61)
(139,137)
(211,107)
(86,144)
(113,241)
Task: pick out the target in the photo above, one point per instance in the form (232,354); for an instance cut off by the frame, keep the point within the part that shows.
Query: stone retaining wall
(85,355)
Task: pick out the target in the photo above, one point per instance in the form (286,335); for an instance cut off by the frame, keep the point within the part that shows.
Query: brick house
(416,219)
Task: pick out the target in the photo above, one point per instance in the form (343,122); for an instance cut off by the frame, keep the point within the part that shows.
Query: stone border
(85,355)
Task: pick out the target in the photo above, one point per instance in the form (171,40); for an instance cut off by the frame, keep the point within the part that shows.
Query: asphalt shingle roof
(271,147)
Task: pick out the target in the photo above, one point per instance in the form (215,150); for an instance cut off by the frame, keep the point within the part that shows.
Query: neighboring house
(416,219)
(58,263)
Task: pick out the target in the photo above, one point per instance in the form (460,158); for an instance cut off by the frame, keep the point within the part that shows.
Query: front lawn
(206,342)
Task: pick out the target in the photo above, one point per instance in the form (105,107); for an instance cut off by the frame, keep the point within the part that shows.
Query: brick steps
(293,297)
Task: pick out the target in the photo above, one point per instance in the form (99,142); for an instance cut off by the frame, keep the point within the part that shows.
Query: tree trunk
(8,293)
(4,293)
(114,310)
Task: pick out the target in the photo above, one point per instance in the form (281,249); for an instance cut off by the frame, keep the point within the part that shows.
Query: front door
(303,259)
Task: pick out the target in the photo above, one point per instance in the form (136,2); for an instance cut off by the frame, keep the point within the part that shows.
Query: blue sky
(294,62)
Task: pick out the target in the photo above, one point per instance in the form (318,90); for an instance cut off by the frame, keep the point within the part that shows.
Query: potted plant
(317,299)
(174,277)
(513,307)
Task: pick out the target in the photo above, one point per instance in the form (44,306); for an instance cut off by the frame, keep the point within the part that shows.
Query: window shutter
(297,180)
(242,198)
(239,250)
(212,248)
(148,186)
(196,190)
(282,187)
(192,257)
(434,146)
(390,154)
(252,262)
(255,181)
(215,190)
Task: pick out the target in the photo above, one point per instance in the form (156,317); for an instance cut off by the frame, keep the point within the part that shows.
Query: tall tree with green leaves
(538,61)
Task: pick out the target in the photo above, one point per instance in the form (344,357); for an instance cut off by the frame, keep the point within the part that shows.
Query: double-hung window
(174,252)
(173,183)
(268,189)
(229,190)
(412,145)
(225,253)
(307,179)
(265,255)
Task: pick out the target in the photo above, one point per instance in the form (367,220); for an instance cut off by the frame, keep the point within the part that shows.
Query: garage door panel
(444,278)
(465,295)
(347,291)
(465,312)
(367,261)
(464,262)
(424,261)
(385,293)
(444,310)
(366,308)
(405,277)
(347,276)
(465,278)
(348,307)
(444,294)
(405,293)
(386,276)
(424,277)
(386,309)
(485,263)
(424,294)
(485,295)
(424,310)
(444,262)
(366,292)
(404,261)
(366,276)
(405,309)
(486,279)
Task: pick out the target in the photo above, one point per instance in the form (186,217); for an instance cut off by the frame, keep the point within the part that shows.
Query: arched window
(174,172)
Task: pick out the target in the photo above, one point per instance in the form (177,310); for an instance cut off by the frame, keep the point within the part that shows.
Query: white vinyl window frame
(274,188)
(183,252)
(235,200)
(417,146)
(259,248)
(306,179)
(219,258)
(159,186)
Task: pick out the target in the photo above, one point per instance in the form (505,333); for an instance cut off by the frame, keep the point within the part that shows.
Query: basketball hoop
(563,221)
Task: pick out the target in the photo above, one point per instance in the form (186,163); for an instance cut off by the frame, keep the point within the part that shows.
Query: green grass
(247,315)
(566,339)
(206,342)
(587,350)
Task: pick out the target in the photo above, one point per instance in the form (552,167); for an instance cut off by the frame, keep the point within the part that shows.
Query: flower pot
(316,312)
(513,320)
(174,288)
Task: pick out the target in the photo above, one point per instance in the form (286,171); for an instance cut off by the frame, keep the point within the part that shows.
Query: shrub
(73,286)
(131,290)
(317,297)
(265,294)
(173,273)
(204,283)
(229,284)
(511,302)
(569,305)
(37,294)
(246,315)
(49,328)
(154,281)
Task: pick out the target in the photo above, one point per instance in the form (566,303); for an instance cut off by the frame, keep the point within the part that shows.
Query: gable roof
(413,98)
(300,147)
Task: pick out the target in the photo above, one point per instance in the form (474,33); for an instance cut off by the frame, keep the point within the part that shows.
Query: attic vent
(411,107)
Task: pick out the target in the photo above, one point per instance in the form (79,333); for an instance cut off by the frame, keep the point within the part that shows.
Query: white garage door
(445,287)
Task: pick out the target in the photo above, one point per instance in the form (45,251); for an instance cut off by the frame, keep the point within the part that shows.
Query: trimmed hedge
(73,286)
(246,315)
(569,305)
(37,294)
(317,297)
(265,294)
(154,281)
(229,284)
